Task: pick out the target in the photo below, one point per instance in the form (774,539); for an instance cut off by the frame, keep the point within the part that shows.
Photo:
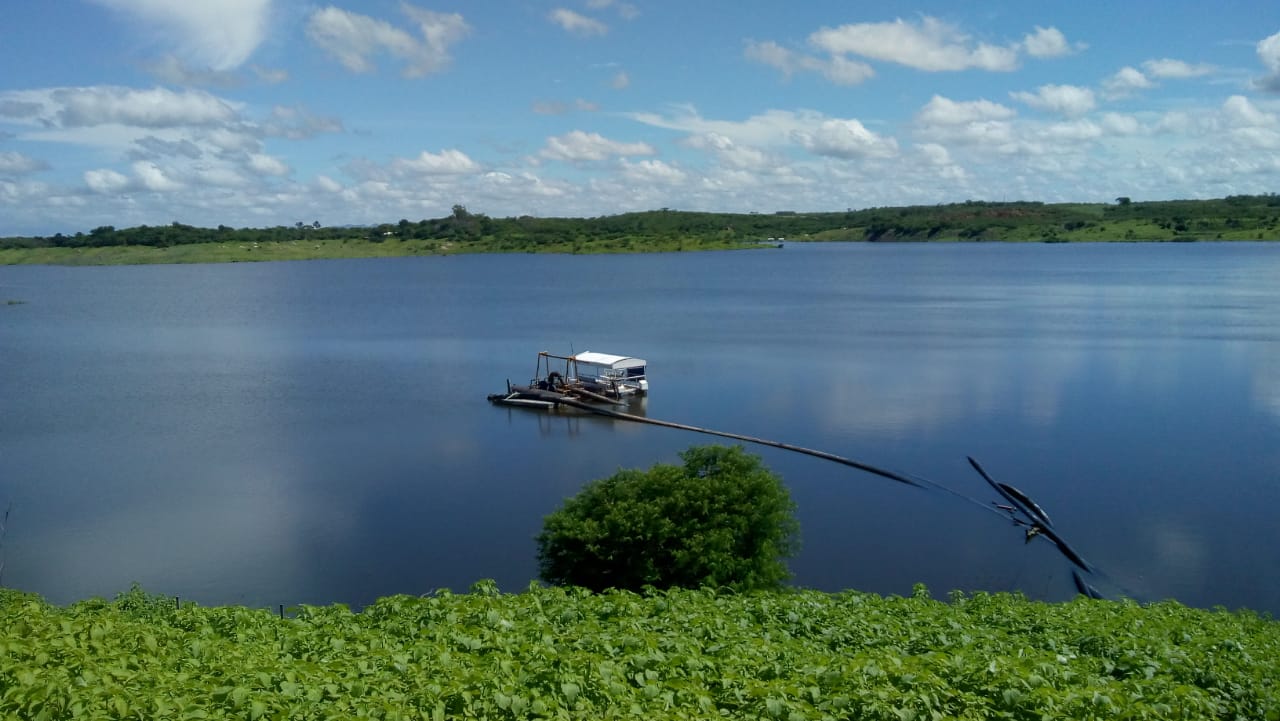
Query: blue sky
(269,112)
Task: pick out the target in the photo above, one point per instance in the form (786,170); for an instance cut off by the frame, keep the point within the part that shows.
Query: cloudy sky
(269,112)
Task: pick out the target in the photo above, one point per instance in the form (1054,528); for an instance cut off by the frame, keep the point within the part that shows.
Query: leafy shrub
(720,520)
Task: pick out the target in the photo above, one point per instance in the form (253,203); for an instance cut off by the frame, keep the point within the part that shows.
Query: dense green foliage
(1242,217)
(721,519)
(682,654)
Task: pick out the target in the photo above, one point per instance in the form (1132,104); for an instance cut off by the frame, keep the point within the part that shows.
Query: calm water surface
(317,432)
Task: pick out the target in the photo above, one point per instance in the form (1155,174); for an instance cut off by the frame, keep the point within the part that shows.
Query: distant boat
(587,376)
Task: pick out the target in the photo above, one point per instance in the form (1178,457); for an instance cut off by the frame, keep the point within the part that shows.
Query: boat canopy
(615,362)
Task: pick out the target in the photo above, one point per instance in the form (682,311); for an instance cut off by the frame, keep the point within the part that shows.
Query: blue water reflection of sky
(311,432)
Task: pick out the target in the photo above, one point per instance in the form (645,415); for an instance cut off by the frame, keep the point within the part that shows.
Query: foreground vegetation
(680,654)
(1244,217)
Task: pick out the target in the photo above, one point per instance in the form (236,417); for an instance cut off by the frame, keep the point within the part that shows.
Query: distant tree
(1123,200)
(722,519)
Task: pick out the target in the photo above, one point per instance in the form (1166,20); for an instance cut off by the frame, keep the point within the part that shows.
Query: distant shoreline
(1237,218)
(223,253)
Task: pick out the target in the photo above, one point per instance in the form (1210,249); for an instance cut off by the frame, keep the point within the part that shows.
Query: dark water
(317,432)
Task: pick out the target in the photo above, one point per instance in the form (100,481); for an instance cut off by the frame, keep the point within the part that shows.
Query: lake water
(317,432)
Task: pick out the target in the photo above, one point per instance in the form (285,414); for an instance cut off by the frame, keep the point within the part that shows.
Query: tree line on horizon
(970,220)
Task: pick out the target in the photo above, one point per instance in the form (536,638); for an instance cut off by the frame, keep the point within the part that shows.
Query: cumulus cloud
(108,104)
(578,146)
(1269,54)
(976,122)
(1125,82)
(846,139)
(944,111)
(1069,100)
(355,39)
(1240,112)
(728,152)
(576,23)
(1119,124)
(13,163)
(1170,68)
(930,45)
(264,164)
(105,180)
(217,34)
(838,69)
(653,172)
(620,81)
(152,177)
(1049,43)
(447,162)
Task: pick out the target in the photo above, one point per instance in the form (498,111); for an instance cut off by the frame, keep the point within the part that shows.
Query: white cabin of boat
(604,373)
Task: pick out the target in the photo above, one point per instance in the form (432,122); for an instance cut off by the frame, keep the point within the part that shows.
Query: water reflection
(311,432)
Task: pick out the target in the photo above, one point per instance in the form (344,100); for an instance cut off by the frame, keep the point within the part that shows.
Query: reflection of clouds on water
(931,388)
(203,536)
(1168,559)
(1266,383)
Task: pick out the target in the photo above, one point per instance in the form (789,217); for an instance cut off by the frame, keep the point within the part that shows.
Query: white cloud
(577,24)
(973,122)
(767,129)
(944,111)
(1269,54)
(217,34)
(105,181)
(447,162)
(1118,124)
(1068,100)
(620,81)
(727,151)
(934,154)
(353,39)
(1239,112)
(653,171)
(846,139)
(930,45)
(112,105)
(12,163)
(264,164)
(1125,82)
(153,177)
(1169,68)
(327,184)
(1072,131)
(231,140)
(578,146)
(1049,43)
(838,69)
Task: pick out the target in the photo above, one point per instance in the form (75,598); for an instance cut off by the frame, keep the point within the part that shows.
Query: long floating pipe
(883,473)
(1037,518)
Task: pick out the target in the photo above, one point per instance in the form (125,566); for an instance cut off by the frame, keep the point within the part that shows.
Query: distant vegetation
(1239,217)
